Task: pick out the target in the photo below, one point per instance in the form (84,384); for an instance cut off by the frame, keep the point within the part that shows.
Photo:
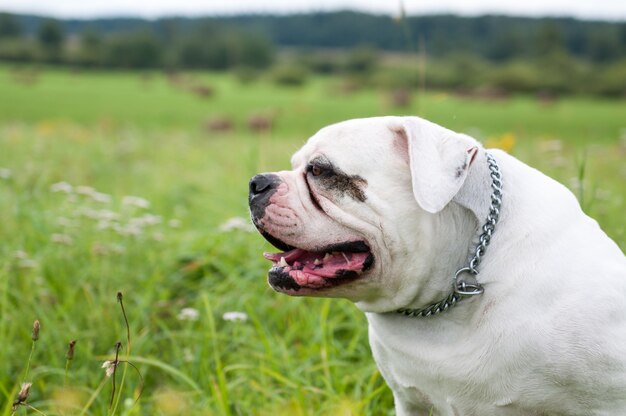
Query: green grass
(151,101)
(125,134)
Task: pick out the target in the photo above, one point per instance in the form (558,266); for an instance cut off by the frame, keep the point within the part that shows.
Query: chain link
(493,216)
(465,283)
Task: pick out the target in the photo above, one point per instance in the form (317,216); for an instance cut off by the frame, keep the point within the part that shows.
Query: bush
(218,49)
(558,73)
(320,62)
(139,50)
(51,39)
(10,27)
(91,49)
(398,78)
(292,75)
(361,60)
(611,81)
(246,75)
(515,77)
(16,50)
(255,51)
(459,71)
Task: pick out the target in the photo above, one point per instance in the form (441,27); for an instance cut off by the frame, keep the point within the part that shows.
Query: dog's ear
(439,160)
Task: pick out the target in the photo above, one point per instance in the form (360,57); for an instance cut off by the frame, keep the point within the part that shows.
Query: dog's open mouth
(336,264)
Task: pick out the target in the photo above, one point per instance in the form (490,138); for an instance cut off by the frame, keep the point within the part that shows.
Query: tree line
(492,37)
(554,55)
(140,45)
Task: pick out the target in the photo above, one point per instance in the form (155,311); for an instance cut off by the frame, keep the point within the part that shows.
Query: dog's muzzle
(262,187)
(296,270)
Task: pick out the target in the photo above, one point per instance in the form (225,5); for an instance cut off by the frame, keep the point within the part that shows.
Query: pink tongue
(330,267)
(302,267)
(303,262)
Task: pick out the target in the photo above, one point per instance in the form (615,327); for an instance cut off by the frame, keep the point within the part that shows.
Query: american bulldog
(487,289)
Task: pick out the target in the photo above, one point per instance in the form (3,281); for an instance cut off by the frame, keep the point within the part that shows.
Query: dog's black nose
(262,183)
(262,187)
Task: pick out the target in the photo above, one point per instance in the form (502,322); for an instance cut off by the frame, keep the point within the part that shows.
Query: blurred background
(128,133)
(492,55)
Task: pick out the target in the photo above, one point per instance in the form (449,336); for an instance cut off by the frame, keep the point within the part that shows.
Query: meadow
(137,183)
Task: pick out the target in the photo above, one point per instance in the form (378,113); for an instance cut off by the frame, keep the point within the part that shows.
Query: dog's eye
(319,167)
(316,170)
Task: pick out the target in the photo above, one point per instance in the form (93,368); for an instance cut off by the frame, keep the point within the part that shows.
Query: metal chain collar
(465,283)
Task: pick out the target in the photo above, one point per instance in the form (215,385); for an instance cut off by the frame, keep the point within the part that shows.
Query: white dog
(387,211)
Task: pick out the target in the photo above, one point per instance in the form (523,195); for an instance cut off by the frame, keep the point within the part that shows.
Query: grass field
(112,182)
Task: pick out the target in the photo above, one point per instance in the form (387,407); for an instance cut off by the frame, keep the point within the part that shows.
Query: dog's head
(355,215)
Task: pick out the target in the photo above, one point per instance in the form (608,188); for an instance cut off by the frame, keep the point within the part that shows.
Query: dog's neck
(462,218)
(458,227)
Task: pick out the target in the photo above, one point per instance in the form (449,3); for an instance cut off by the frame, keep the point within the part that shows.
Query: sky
(585,9)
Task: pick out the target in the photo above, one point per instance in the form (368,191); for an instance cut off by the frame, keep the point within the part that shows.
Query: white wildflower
(107,215)
(133,230)
(558,161)
(104,225)
(23,260)
(150,219)
(93,194)
(61,187)
(62,239)
(158,236)
(66,222)
(89,213)
(20,254)
(174,223)
(603,194)
(128,230)
(188,314)
(100,197)
(576,184)
(237,223)
(235,316)
(5,173)
(117,248)
(27,264)
(187,355)
(109,367)
(85,190)
(136,201)
(105,249)
(99,249)
(549,146)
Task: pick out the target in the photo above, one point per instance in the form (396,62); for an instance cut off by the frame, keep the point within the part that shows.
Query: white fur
(548,336)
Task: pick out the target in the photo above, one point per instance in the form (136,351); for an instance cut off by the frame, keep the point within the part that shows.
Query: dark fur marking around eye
(335,180)
(347,185)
